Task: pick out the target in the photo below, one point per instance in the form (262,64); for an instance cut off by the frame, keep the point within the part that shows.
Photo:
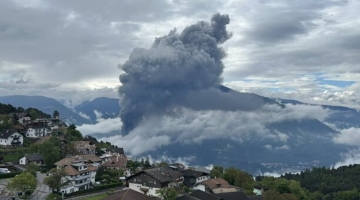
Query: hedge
(95,189)
(9,175)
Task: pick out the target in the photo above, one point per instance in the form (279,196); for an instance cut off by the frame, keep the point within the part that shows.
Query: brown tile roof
(70,170)
(128,194)
(85,158)
(215,183)
(116,161)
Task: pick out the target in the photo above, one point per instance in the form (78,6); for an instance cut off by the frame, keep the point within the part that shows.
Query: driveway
(3,190)
(42,190)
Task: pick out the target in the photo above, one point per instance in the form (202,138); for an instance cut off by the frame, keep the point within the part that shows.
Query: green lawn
(53,196)
(97,197)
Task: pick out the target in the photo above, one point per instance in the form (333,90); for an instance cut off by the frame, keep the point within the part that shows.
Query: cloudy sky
(301,49)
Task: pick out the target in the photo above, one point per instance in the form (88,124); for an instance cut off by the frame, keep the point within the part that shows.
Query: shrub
(95,189)
(9,175)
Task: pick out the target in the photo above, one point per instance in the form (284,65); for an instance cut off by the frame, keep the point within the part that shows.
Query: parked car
(4,170)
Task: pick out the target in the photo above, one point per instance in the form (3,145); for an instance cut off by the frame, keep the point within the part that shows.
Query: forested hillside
(7,121)
(35,113)
(329,183)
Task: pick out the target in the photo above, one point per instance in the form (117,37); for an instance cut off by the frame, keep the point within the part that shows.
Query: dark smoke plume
(176,65)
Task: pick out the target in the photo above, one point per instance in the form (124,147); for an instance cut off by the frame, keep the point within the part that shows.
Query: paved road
(42,190)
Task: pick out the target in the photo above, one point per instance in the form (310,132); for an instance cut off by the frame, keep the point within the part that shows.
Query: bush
(95,189)
(9,175)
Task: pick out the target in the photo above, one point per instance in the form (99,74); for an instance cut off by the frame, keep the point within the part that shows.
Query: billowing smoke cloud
(177,64)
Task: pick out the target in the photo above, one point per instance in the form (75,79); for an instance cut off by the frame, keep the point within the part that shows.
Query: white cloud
(284,147)
(98,115)
(349,158)
(349,136)
(84,115)
(193,127)
(87,47)
(103,126)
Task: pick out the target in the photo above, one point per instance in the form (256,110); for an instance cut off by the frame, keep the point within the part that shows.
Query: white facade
(15,139)
(24,120)
(22,161)
(82,179)
(78,181)
(140,188)
(37,132)
(202,178)
(199,187)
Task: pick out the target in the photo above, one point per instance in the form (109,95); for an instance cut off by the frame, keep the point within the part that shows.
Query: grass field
(97,197)
(58,197)
(53,196)
(13,156)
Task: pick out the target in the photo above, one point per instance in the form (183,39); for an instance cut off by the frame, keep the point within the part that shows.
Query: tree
(72,126)
(147,164)
(51,150)
(22,182)
(272,195)
(54,181)
(215,173)
(55,114)
(33,114)
(230,174)
(132,165)
(283,188)
(15,119)
(32,169)
(167,193)
(73,135)
(244,180)
(51,153)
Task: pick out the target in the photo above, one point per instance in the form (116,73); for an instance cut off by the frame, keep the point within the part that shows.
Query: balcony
(82,184)
(16,142)
(78,177)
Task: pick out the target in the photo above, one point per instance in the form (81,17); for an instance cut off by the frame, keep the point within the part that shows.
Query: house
(151,180)
(80,172)
(259,190)
(115,150)
(54,123)
(208,185)
(238,195)
(85,147)
(37,129)
(37,159)
(193,176)
(24,118)
(177,167)
(11,138)
(114,162)
(128,194)
(79,175)
(199,195)
(88,159)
